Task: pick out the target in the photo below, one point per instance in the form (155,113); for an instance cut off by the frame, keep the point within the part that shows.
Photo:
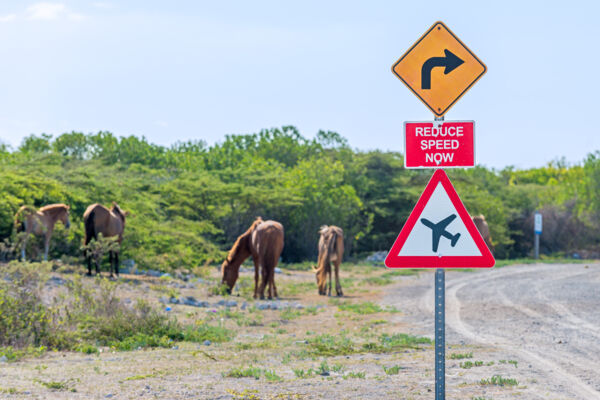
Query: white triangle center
(421,241)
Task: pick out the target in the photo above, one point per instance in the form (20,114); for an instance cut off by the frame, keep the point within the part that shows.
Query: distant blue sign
(537,224)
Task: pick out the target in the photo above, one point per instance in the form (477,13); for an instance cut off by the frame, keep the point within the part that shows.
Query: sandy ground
(536,324)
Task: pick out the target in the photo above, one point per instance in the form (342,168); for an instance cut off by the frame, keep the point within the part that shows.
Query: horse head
(117,210)
(64,218)
(231,266)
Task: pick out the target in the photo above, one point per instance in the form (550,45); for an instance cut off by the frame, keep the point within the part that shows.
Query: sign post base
(440,333)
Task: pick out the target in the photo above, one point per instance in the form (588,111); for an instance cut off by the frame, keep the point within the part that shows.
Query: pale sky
(182,70)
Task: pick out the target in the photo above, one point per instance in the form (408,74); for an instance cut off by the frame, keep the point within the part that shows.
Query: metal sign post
(439,213)
(440,335)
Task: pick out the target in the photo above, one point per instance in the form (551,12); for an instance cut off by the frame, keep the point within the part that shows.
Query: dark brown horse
(331,250)
(40,222)
(484,230)
(110,223)
(264,242)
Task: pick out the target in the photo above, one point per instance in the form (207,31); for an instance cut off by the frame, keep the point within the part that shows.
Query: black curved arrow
(450,61)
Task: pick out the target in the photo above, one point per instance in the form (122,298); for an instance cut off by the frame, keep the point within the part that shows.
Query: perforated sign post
(439,233)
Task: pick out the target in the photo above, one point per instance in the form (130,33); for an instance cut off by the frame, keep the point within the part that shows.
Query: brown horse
(331,250)
(484,230)
(99,219)
(40,222)
(264,242)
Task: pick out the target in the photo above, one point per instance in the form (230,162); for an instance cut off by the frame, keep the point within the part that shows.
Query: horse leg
(275,295)
(263,282)
(111,258)
(256,269)
(329,288)
(338,285)
(46,247)
(117,263)
(23,249)
(98,261)
(271,272)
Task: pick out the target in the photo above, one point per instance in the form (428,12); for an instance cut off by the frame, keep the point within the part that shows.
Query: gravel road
(547,316)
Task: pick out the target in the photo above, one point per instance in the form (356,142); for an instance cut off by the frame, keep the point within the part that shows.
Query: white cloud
(8,18)
(46,11)
(51,11)
(103,4)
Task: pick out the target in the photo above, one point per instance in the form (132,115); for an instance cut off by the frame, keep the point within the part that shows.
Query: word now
(440,144)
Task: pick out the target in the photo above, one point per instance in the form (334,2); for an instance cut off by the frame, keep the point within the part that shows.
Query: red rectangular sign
(439,144)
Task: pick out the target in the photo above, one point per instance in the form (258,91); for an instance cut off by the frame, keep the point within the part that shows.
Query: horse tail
(332,247)
(19,224)
(89,226)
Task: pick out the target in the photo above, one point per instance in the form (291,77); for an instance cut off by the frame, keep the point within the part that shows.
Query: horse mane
(241,240)
(323,229)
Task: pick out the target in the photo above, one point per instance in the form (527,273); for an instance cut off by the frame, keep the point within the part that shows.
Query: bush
(83,318)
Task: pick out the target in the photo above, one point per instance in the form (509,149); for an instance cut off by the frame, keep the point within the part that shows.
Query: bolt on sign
(447,144)
(439,68)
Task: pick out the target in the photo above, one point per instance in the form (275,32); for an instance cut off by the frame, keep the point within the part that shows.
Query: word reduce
(439,144)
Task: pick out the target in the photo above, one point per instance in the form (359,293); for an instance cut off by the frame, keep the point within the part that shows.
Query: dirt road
(544,317)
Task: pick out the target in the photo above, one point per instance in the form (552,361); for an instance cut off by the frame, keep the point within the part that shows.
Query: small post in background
(537,231)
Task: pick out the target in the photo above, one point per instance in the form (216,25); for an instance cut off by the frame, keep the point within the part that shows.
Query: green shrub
(331,345)
(498,380)
(239,372)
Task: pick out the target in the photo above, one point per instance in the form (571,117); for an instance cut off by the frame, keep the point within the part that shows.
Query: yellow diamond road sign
(439,68)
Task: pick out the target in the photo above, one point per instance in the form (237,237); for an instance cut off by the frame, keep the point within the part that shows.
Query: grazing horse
(99,219)
(264,242)
(331,250)
(484,230)
(41,222)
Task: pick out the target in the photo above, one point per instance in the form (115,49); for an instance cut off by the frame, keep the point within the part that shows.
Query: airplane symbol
(438,230)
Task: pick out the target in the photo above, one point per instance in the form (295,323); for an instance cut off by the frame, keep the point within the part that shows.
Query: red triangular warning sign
(439,232)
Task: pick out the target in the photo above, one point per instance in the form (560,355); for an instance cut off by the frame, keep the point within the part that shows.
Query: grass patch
(498,380)
(293,313)
(356,375)
(364,308)
(470,364)
(250,372)
(393,370)
(302,374)
(296,288)
(326,345)
(389,343)
(142,377)
(271,376)
(253,372)
(57,385)
(460,356)
(329,345)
